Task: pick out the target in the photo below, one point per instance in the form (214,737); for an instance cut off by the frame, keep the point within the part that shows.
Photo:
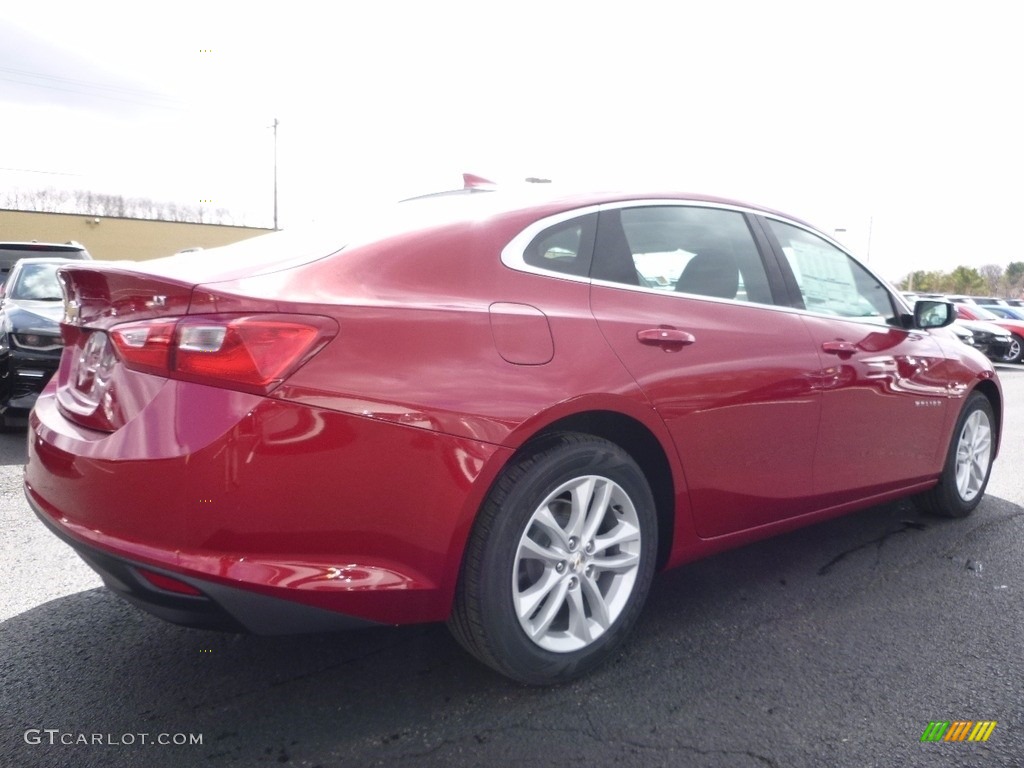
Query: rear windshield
(11,253)
(256,255)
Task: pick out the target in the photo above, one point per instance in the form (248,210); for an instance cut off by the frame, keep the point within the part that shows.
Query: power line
(91,89)
(86,94)
(34,170)
(87,83)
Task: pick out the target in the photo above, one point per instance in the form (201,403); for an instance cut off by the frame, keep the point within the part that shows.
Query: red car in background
(502,411)
(1015,327)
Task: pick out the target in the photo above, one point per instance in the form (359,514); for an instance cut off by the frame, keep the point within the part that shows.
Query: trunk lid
(128,330)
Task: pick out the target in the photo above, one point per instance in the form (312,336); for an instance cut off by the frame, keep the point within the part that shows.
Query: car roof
(46,260)
(567,197)
(35,245)
(526,201)
(375,222)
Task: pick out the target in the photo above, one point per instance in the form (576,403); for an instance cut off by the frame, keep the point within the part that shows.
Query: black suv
(11,252)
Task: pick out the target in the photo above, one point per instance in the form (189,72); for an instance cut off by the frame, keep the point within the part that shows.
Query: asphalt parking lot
(836,645)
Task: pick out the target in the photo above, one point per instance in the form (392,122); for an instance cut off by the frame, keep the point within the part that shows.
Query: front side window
(831,282)
(681,249)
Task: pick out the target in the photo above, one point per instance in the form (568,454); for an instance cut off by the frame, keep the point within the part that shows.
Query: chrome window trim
(894,293)
(680,294)
(513,254)
(837,245)
(811,229)
(752,304)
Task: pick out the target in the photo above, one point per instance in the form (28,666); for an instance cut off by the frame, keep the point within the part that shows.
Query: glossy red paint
(741,403)
(885,369)
(211,500)
(354,484)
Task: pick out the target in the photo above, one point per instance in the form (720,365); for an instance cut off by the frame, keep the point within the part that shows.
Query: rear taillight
(253,353)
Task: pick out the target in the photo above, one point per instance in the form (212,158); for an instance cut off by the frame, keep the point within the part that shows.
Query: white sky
(896,119)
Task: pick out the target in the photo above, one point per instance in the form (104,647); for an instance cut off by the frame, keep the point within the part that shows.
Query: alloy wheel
(973,452)
(576,563)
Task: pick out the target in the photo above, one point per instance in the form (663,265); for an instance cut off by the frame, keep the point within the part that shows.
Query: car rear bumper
(260,504)
(218,606)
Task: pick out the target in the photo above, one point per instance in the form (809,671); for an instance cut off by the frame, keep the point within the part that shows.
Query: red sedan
(505,412)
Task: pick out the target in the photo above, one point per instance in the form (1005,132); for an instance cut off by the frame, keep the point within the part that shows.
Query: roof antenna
(472,181)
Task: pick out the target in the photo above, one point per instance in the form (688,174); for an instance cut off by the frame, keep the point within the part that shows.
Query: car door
(683,297)
(885,392)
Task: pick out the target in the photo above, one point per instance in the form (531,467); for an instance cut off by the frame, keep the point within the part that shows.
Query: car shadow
(772,654)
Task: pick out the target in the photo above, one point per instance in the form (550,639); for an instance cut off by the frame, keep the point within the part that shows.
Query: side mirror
(933,314)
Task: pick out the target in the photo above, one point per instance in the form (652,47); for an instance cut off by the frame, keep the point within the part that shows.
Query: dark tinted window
(14,251)
(679,249)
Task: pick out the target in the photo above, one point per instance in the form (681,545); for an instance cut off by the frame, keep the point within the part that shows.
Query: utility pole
(274,126)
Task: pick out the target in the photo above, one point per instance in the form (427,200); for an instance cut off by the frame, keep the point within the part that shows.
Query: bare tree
(993,277)
(91,203)
(1015,279)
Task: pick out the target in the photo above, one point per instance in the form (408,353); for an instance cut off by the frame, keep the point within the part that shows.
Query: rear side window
(681,249)
(565,247)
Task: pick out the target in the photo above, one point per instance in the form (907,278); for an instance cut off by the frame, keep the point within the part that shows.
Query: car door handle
(667,336)
(839,347)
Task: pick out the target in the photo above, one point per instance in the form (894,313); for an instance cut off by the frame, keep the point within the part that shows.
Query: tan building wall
(107,237)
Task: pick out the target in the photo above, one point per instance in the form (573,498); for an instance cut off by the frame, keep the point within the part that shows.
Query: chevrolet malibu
(505,412)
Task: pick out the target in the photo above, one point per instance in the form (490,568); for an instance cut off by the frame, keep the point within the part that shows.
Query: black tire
(1016,349)
(522,546)
(968,462)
